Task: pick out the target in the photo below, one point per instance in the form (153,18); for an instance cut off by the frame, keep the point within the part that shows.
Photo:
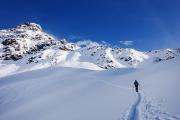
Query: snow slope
(77,94)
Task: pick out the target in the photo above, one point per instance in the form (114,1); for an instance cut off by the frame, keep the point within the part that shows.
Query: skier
(136,84)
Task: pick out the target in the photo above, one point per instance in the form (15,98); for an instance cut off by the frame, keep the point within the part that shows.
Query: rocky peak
(28,38)
(30,26)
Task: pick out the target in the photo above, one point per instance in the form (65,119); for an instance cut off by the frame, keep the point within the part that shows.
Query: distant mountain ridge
(28,45)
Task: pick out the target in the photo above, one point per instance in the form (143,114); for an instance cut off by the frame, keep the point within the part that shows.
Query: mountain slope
(27,47)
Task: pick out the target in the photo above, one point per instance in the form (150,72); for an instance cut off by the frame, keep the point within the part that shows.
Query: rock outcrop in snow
(26,39)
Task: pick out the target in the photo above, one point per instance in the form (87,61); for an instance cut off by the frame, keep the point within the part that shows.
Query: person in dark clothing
(136,84)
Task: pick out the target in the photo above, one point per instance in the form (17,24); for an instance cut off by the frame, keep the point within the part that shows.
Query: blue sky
(140,24)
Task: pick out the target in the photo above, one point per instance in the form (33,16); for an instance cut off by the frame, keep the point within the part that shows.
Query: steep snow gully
(134,112)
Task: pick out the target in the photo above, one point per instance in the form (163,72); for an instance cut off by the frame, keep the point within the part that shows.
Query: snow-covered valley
(42,78)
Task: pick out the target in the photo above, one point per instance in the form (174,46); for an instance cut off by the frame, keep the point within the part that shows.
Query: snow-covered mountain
(41,79)
(28,47)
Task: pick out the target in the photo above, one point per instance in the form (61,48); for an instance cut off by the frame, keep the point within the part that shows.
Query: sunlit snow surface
(58,93)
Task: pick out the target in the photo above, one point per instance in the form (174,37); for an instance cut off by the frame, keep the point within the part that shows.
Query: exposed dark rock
(16,57)
(9,42)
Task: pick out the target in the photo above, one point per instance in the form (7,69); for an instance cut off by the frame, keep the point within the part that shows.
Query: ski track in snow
(146,109)
(134,113)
